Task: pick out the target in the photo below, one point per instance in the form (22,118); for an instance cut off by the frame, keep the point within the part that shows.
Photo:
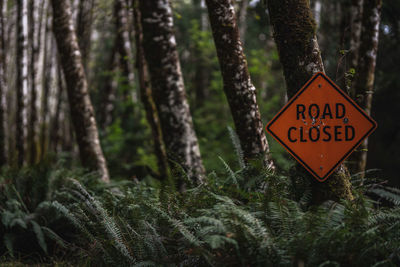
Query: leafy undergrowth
(247,217)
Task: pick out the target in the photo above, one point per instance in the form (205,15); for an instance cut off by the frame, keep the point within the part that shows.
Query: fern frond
(238,148)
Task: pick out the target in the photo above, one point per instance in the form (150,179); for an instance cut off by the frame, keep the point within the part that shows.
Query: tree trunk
(240,91)
(19,84)
(167,83)
(201,76)
(355,31)
(365,74)
(123,42)
(55,125)
(294,33)
(81,108)
(84,29)
(242,20)
(147,97)
(48,53)
(3,158)
(124,49)
(34,49)
(109,90)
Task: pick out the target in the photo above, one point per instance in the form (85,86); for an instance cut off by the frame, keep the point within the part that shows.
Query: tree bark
(167,83)
(3,158)
(295,36)
(81,108)
(19,84)
(84,29)
(55,125)
(355,31)
(34,49)
(147,96)
(124,49)
(242,20)
(48,53)
(201,77)
(240,91)
(109,90)
(365,74)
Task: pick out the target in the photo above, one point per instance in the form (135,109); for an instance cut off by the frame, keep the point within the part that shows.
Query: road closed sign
(320,126)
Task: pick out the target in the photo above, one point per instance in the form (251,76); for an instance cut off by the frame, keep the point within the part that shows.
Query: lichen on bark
(81,108)
(240,91)
(167,83)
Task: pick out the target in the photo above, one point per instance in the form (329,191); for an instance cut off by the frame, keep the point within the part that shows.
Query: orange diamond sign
(320,126)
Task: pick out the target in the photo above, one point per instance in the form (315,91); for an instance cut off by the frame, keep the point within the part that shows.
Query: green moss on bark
(294,33)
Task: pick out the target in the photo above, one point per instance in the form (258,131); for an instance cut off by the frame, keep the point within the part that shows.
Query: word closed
(320,126)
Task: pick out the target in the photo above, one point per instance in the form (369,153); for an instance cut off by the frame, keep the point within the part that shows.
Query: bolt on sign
(320,126)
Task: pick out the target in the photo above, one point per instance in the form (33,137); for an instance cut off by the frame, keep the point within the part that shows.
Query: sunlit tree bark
(167,83)
(239,89)
(81,108)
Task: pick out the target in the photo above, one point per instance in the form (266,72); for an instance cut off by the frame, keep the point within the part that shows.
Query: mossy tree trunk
(81,108)
(147,96)
(167,83)
(295,37)
(3,90)
(240,91)
(363,85)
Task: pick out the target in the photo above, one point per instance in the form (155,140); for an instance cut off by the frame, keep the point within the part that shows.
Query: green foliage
(245,216)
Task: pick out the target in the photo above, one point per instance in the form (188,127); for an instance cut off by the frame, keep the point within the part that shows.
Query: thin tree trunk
(294,33)
(167,83)
(109,90)
(46,82)
(19,84)
(34,49)
(84,29)
(123,42)
(81,108)
(201,77)
(365,73)
(147,97)
(242,20)
(355,31)
(55,133)
(124,49)
(3,158)
(240,91)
